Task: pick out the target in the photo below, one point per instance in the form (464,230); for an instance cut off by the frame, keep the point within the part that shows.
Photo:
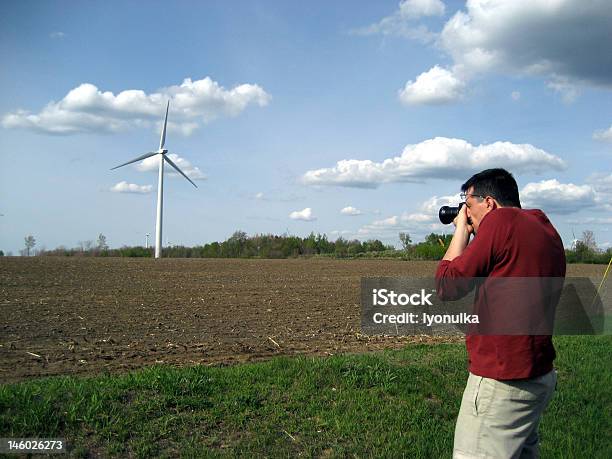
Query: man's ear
(492,203)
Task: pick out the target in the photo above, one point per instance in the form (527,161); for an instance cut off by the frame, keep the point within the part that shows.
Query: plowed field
(88,315)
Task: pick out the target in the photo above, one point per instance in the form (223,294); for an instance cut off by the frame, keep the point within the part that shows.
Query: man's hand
(460,240)
(462,221)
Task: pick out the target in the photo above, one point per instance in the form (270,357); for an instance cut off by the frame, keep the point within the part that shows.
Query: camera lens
(448,213)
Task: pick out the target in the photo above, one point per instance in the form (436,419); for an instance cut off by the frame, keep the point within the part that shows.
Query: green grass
(388,404)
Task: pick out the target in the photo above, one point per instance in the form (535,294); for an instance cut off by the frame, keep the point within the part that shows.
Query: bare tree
(102,245)
(30,242)
(405,240)
(85,246)
(588,239)
(586,247)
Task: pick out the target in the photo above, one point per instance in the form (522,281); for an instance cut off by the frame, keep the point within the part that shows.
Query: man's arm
(463,262)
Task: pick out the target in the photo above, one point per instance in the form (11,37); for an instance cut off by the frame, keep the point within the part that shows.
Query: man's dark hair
(497,183)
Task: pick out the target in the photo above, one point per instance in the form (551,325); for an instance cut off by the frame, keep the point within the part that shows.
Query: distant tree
(355,247)
(443,240)
(237,243)
(341,247)
(85,246)
(102,245)
(30,242)
(1,253)
(323,245)
(373,245)
(588,239)
(212,250)
(291,246)
(240,236)
(432,239)
(583,250)
(405,240)
(310,244)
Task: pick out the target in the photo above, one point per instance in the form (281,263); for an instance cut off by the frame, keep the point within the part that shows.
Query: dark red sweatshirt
(510,242)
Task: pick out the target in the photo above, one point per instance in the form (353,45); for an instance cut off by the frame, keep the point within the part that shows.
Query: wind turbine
(160,185)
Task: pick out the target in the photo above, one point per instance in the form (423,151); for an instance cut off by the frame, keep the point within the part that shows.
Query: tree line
(585,250)
(241,245)
(238,245)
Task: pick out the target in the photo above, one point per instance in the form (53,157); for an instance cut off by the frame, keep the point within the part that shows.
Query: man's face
(477,207)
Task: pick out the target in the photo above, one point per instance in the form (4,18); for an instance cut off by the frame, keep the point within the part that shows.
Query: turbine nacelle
(161,151)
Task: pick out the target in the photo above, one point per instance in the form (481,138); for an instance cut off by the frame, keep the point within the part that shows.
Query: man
(511,377)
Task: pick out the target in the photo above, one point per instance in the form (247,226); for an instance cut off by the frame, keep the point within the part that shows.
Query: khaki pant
(499,419)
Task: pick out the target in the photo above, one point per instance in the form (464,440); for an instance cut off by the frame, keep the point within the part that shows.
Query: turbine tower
(160,185)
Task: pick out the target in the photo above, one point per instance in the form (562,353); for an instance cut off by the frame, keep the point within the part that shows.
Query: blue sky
(356,119)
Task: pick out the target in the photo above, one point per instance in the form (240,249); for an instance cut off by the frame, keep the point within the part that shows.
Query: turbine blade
(180,171)
(140,158)
(162,140)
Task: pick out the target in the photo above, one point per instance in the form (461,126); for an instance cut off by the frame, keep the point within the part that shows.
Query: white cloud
(390,222)
(435,87)
(432,205)
(125,187)
(304,214)
(603,134)
(569,91)
(401,22)
(417,218)
(414,9)
(88,109)
(185,128)
(380,227)
(152,164)
(274,195)
(349,210)
(561,41)
(57,35)
(427,215)
(558,198)
(417,224)
(601,182)
(441,158)
(414,224)
(516,95)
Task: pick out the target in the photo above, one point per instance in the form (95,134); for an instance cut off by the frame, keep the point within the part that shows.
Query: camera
(447,213)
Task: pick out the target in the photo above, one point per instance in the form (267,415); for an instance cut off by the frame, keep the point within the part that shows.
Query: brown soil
(88,315)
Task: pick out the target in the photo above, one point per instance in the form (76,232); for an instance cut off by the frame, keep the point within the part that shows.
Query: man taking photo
(511,377)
